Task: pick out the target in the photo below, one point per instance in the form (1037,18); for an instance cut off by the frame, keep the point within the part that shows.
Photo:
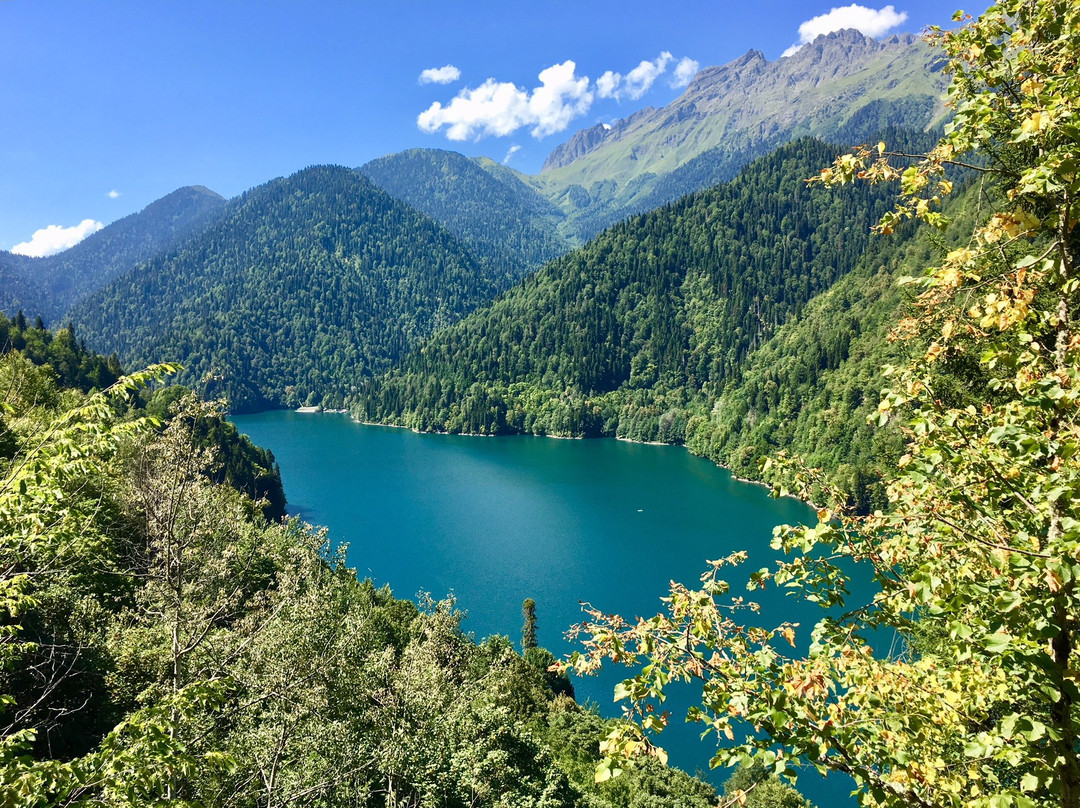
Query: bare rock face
(587,140)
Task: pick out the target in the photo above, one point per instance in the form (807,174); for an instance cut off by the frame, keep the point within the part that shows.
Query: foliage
(976,557)
(160,641)
(73,364)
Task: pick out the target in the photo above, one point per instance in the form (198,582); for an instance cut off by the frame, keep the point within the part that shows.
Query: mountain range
(336,285)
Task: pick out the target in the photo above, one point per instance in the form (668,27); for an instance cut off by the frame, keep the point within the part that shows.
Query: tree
(528,628)
(978,554)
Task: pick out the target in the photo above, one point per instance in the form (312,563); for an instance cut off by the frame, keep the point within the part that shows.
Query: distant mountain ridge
(50,286)
(843,86)
(505,222)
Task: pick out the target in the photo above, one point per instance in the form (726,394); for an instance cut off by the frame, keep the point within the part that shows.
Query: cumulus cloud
(440,75)
(607,86)
(872,22)
(511,152)
(54,238)
(638,81)
(501,108)
(685,71)
(641,78)
(113,194)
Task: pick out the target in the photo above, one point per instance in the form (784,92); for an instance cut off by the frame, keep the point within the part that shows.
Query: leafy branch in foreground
(977,558)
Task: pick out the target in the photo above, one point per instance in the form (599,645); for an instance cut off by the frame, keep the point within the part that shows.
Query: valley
(845,277)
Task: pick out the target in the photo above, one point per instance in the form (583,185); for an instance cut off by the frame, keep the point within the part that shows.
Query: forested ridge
(507,225)
(644,330)
(165,641)
(304,284)
(50,286)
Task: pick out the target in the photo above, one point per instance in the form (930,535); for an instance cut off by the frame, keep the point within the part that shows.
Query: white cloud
(440,75)
(501,108)
(872,22)
(54,238)
(641,78)
(685,71)
(113,194)
(607,86)
(511,152)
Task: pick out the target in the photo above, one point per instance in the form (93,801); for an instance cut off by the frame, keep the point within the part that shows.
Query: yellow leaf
(1034,123)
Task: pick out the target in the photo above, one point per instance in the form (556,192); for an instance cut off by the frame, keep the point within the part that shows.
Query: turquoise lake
(497,520)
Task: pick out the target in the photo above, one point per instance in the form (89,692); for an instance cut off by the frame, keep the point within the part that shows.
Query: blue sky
(107,106)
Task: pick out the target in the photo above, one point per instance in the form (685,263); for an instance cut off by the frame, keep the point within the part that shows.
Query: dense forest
(507,225)
(306,283)
(164,640)
(642,332)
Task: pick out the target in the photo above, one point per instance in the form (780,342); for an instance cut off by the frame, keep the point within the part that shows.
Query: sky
(108,106)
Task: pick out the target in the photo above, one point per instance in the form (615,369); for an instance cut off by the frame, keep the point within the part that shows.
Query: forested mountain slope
(507,224)
(305,284)
(812,388)
(841,87)
(52,285)
(661,310)
(19,289)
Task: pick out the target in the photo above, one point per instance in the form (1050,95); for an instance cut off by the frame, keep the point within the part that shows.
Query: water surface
(496,520)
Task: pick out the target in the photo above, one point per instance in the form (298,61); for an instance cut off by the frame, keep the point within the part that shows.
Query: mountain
(507,224)
(647,324)
(301,286)
(842,87)
(19,288)
(50,286)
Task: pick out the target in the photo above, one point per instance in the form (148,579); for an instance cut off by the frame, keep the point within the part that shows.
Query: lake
(496,520)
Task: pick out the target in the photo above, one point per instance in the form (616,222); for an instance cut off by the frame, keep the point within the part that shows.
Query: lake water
(497,520)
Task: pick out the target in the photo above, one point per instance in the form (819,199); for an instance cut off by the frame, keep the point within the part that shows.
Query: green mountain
(303,285)
(19,288)
(841,87)
(50,286)
(648,323)
(507,225)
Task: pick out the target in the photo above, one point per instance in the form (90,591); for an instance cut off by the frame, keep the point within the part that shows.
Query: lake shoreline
(319,410)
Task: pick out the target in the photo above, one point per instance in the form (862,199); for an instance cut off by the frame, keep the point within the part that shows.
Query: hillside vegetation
(508,227)
(641,333)
(304,285)
(165,642)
